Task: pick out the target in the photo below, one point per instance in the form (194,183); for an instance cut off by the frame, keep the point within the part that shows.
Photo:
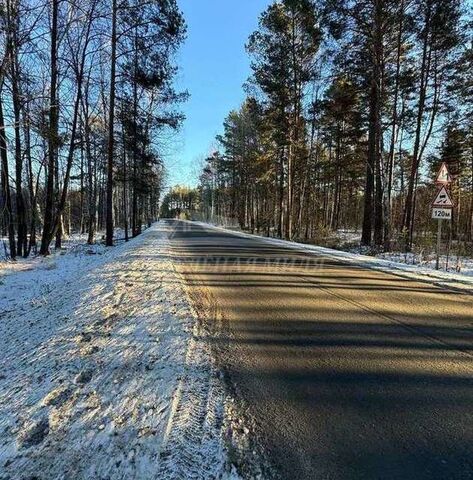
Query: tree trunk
(394,133)
(281,192)
(31,184)
(376,128)
(368,214)
(22,244)
(111,131)
(52,136)
(470,216)
(6,194)
(408,217)
(12,48)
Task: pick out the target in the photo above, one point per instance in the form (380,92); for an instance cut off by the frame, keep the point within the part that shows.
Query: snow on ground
(349,240)
(392,263)
(102,370)
(450,264)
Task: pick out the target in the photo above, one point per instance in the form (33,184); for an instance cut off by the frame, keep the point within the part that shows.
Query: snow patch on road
(102,370)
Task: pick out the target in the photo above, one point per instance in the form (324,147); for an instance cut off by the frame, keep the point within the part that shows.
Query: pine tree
(284,50)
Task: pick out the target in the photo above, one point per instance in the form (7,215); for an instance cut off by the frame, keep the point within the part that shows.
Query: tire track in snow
(133,326)
(193,447)
(192,434)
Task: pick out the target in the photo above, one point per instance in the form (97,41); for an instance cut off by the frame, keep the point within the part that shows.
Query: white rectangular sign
(442,213)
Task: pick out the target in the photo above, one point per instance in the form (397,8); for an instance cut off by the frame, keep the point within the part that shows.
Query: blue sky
(214,66)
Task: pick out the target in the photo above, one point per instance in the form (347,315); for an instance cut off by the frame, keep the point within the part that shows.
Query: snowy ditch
(104,373)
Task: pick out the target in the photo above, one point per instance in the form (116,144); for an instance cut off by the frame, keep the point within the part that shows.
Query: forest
(87,107)
(350,110)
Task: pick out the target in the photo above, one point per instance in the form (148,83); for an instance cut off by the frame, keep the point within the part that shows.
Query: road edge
(361,261)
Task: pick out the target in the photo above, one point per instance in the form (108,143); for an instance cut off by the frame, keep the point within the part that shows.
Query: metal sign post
(442,206)
(439,243)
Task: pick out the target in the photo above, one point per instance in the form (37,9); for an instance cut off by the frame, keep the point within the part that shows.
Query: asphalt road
(349,373)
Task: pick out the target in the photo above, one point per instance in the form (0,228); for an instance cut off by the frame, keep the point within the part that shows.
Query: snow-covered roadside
(452,280)
(427,262)
(102,372)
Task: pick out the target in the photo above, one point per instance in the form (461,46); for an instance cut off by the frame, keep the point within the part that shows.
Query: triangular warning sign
(444,177)
(442,199)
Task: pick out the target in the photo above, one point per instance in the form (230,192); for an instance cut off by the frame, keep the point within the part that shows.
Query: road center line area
(345,372)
